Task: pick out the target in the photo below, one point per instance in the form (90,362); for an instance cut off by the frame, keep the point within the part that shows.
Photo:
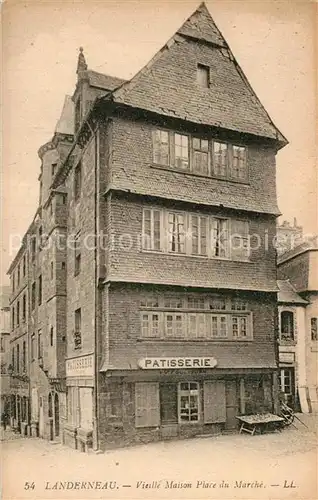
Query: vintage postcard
(159,285)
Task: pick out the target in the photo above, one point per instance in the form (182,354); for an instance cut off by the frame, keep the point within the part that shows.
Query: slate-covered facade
(169,293)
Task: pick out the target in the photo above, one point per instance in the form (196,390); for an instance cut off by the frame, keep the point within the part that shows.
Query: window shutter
(239,240)
(147,405)
(214,402)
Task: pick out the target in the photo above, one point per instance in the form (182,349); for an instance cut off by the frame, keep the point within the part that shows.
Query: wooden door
(232,407)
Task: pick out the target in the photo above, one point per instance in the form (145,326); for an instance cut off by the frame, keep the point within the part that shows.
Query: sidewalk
(9,435)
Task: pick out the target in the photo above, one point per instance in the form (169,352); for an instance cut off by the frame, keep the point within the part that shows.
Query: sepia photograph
(159,258)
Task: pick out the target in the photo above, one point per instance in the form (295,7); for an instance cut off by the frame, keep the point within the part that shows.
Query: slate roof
(104,82)
(167,86)
(307,245)
(287,293)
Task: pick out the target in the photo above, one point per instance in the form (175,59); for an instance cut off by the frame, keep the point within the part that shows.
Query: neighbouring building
(299,323)
(5,347)
(292,346)
(288,236)
(156,317)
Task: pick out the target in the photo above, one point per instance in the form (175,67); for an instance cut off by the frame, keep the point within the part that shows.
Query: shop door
(169,410)
(287,386)
(231,395)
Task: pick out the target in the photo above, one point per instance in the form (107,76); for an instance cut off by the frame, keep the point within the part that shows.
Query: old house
(166,197)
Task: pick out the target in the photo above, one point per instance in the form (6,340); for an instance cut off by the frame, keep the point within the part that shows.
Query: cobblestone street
(277,466)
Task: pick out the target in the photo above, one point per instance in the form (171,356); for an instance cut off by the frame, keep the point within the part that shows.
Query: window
(13,359)
(40,344)
(13,317)
(220,159)
(203,76)
(78,181)
(51,336)
(40,290)
(200,156)
(23,307)
(238,167)
(286,381)
(24,266)
(188,395)
(150,324)
(150,302)
(24,356)
(239,327)
(219,326)
(33,296)
(54,168)
(287,325)
(161,147)
(33,248)
(176,232)
(201,235)
(196,303)
(238,305)
(18,274)
(33,346)
(174,325)
(151,233)
(18,359)
(314,328)
(173,303)
(52,270)
(217,303)
(18,313)
(181,151)
(40,237)
(13,282)
(63,265)
(199,230)
(219,237)
(78,332)
(77,255)
(197,325)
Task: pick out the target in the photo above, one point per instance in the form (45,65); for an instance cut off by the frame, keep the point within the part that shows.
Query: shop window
(168,403)
(314,328)
(287,325)
(188,395)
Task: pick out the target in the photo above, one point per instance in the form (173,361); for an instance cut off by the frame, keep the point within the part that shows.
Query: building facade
(5,347)
(299,266)
(163,300)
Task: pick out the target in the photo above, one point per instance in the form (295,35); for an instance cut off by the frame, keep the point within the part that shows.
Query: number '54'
(29,486)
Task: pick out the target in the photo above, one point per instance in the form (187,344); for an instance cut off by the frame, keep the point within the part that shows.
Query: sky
(273,41)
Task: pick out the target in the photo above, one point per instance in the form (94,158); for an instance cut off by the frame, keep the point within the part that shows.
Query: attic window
(203,76)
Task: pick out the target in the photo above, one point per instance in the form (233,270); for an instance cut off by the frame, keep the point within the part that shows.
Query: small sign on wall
(82,366)
(176,363)
(287,357)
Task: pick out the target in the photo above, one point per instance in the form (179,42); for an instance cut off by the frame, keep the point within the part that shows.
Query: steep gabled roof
(65,124)
(167,84)
(201,26)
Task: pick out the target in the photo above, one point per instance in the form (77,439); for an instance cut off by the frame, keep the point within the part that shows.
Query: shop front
(169,398)
(78,428)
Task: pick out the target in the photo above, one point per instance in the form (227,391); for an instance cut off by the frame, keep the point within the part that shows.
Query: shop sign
(80,367)
(176,363)
(286,357)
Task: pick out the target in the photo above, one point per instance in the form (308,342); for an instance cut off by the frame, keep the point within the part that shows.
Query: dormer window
(203,75)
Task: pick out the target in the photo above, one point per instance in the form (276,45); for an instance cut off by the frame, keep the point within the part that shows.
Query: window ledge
(204,257)
(287,342)
(196,174)
(188,341)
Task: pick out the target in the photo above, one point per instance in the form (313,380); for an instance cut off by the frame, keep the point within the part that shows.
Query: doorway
(169,410)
